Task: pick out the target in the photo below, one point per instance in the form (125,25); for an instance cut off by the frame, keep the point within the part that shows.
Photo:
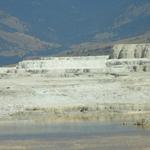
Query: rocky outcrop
(123,51)
(127,58)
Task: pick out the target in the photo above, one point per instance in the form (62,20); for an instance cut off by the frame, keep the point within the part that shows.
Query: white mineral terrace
(131,51)
(50,63)
(62,82)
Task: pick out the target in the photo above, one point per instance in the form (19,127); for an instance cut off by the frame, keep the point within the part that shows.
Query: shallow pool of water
(72,136)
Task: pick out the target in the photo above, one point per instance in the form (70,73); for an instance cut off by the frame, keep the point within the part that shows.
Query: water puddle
(72,135)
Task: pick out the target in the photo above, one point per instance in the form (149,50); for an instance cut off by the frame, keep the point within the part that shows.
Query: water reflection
(58,135)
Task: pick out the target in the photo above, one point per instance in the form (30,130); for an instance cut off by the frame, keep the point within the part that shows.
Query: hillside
(69,27)
(103,48)
(16,41)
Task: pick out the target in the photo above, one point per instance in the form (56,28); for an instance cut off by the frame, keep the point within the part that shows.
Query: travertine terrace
(128,51)
(77,84)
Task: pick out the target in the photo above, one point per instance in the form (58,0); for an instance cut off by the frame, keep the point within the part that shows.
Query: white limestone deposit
(94,82)
(64,66)
(131,51)
(6,70)
(128,65)
(29,92)
(53,63)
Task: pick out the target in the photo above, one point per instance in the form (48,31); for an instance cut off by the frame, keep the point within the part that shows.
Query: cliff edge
(123,51)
